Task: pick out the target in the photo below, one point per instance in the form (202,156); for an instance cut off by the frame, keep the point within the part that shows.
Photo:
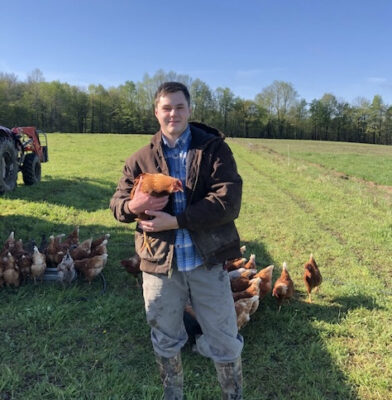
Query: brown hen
(132,266)
(284,287)
(266,280)
(157,185)
(312,277)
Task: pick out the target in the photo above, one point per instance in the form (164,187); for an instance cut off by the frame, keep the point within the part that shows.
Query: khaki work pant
(210,295)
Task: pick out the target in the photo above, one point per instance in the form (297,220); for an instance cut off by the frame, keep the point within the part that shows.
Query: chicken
(11,274)
(53,249)
(132,266)
(252,290)
(91,267)
(24,263)
(95,243)
(245,273)
(18,249)
(83,250)
(312,277)
(8,245)
(284,287)
(236,263)
(266,280)
(71,240)
(157,185)
(66,269)
(244,308)
(100,249)
(239,284)
(38,266)
(251,264)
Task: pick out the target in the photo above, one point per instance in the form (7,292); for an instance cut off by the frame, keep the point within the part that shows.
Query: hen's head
(176,186)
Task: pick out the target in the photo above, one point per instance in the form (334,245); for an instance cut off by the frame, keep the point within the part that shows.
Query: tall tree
(278,98)
(202,101)
(225,103)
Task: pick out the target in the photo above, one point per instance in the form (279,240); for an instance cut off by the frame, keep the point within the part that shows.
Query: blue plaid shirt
(187,256)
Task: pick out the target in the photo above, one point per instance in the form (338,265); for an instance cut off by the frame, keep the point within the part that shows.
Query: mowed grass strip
(83,342)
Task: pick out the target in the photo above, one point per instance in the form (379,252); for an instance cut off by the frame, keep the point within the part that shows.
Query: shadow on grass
(81,193)
(32,229)
(285,356)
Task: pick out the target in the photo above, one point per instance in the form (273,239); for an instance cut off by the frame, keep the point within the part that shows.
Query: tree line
(276,112)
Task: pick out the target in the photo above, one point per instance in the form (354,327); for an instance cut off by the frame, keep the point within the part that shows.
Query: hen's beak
(178,186)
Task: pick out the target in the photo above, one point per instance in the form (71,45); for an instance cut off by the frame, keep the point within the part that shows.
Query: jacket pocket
(217,240)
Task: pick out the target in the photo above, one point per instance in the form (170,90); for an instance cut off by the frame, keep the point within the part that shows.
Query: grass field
(84,342)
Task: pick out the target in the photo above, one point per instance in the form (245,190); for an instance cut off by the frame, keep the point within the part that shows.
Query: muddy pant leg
(164,300)
(213,304)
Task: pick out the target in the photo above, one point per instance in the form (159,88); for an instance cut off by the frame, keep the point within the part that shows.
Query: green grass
(371,163)
(84,343)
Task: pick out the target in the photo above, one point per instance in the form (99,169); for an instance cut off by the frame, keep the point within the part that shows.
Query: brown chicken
(239,284)
(91,267)
(53,249)
(251,264)
(8,245)
(71,240)
(245,273)
(157,185)
(11,274)
(266,280)
(132,266)
(38,266)
(244,308)
(83,250)
(18,249)
(24,263)
(312,277)
(100,249)
(97,242)
(284,287)
(252,290)
(236,263)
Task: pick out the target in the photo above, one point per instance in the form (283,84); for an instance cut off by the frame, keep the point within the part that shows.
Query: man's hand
(143,201)
(162,222)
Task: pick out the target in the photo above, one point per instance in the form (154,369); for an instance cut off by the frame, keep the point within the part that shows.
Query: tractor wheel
(8,165)
(31,169)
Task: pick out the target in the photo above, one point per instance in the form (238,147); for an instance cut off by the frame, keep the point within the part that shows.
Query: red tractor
(21,150)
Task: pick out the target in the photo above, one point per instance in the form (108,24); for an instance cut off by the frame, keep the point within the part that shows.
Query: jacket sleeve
(223,191)
(121,195)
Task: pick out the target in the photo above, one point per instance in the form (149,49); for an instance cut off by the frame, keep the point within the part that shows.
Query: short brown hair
(172,87)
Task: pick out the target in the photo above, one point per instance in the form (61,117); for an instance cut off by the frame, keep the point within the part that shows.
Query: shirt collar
(183,140)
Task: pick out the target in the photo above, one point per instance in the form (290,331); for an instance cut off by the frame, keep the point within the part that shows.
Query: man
(191,234)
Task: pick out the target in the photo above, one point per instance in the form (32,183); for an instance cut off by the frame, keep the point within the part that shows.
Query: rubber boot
(170,370)
(230,379)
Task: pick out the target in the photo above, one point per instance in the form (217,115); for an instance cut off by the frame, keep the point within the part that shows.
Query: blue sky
(320,46)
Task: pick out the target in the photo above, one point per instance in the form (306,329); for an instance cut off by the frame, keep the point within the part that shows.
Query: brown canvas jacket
(213,190)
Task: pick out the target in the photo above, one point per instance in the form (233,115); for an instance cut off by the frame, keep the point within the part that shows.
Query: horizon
(342,48)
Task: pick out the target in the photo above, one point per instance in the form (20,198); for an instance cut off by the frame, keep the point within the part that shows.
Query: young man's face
(172,112)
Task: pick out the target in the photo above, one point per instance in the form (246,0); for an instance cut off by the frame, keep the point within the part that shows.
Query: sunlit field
(299,197)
